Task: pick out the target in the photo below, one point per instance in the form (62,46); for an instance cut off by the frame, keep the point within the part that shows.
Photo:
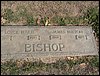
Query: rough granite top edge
(45,26)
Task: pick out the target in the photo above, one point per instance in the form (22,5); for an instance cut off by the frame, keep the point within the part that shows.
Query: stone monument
(21,42)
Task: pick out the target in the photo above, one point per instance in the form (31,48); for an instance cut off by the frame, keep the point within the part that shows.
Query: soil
(43,9)
(52,9)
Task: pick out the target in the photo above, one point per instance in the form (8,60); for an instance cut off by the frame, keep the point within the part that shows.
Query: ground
(78,65)
(52,13)
(59,12)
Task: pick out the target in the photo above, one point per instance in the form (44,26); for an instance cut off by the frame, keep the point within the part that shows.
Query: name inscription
(43,47)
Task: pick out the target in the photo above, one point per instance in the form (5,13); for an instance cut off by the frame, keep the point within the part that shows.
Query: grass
(92,17)
(21,12)
(10,16)
(24,14)
(61,21)
(64,66)
(30,20)
(94,62)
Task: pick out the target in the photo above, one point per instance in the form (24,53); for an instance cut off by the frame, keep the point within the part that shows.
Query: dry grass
(27,12)
(44,13)
(87,65)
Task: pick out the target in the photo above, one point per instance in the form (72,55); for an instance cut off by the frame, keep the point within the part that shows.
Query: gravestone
(22,42)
